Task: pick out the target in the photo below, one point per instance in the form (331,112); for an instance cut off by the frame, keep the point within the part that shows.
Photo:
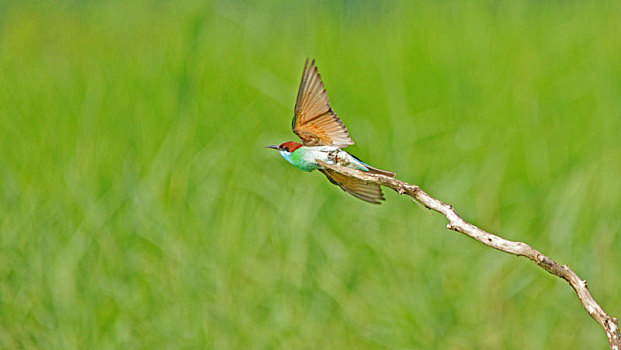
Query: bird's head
(287,147)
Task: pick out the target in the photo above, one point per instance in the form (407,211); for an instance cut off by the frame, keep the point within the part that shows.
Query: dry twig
(456,223)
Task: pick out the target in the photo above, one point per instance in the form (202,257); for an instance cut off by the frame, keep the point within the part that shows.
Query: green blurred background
(139,209)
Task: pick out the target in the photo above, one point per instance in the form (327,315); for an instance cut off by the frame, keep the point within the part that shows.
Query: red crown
(290,146)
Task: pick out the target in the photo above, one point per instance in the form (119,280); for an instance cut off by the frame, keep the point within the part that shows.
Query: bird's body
(324,135)
(306,158)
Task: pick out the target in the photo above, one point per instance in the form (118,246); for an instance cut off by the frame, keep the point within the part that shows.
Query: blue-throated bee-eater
(323,136)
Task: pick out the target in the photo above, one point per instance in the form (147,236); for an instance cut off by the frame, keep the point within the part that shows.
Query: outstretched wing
(314,121)
(371,193)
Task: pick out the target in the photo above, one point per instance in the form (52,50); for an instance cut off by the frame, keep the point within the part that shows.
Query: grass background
(139,210)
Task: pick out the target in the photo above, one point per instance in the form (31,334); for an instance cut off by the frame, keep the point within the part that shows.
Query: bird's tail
(373,170)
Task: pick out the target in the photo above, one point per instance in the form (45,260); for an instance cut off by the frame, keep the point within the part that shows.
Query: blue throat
(287,156)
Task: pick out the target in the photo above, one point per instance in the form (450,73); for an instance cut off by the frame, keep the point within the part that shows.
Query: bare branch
(456,223)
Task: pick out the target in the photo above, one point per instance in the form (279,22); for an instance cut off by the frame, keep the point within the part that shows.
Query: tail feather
(373,170)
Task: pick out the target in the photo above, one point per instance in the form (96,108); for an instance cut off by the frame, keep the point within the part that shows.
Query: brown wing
(371,193)
(314,121)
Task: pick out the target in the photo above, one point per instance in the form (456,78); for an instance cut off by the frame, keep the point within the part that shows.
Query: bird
(324,136)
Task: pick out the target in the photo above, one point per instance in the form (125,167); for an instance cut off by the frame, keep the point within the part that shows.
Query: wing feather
(314,121)
(369,192)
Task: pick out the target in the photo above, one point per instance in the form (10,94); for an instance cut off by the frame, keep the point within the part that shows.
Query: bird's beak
(272,146)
